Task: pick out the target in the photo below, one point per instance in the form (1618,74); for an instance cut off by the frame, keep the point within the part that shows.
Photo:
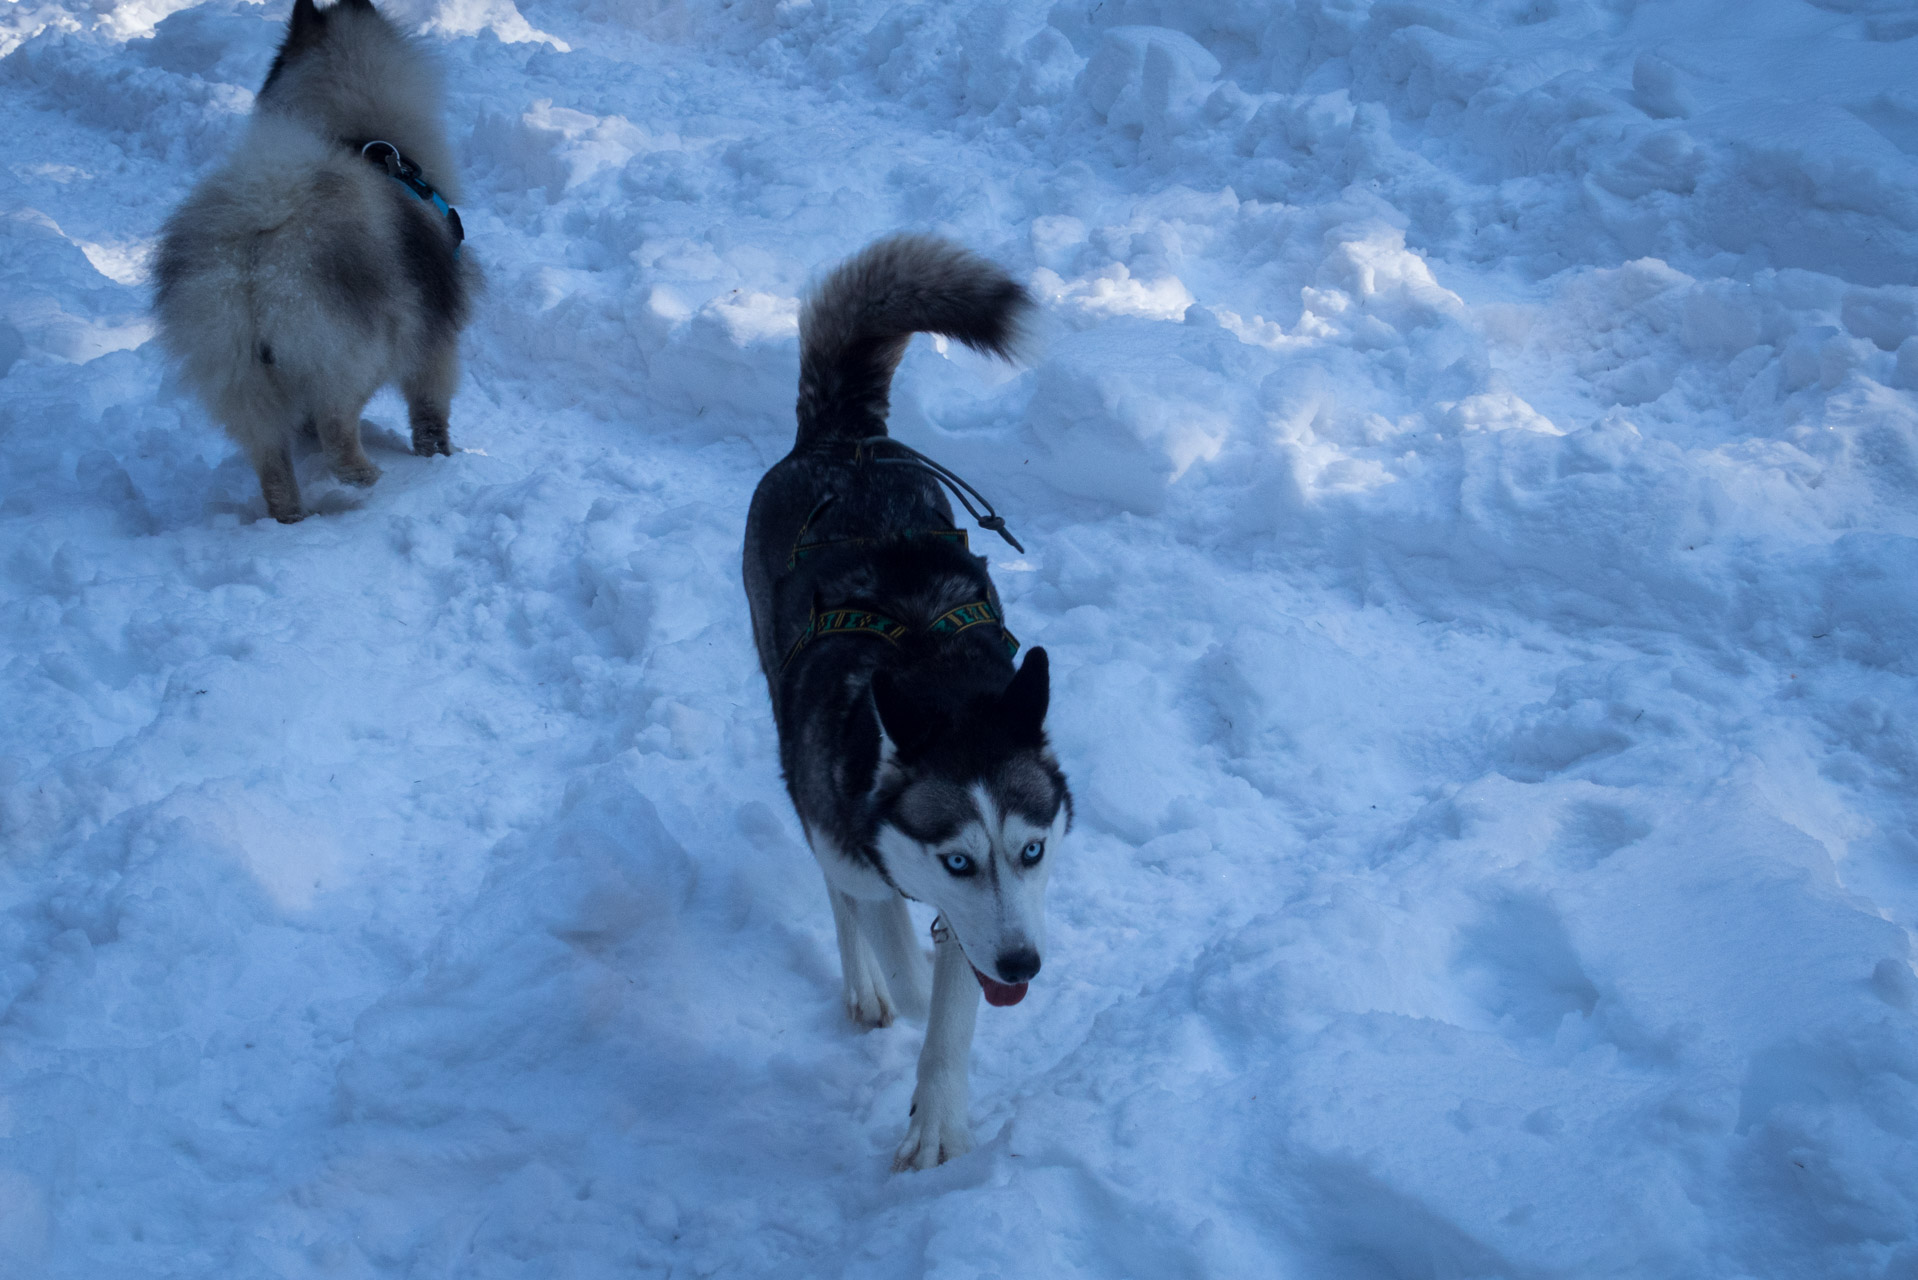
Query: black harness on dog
(803,549)
(866,622)
(413,178)
(862,453)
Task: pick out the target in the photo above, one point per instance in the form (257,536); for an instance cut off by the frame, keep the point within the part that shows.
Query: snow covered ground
(1470,481)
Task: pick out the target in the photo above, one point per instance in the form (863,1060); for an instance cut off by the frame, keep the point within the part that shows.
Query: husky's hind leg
(868,998)
(429,399)
(278,485)
(340,436)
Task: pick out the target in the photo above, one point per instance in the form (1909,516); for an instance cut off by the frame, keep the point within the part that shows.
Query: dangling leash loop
(945,475)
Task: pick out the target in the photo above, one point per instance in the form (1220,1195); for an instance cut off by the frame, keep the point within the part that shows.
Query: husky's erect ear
(907,720)
(1022,707)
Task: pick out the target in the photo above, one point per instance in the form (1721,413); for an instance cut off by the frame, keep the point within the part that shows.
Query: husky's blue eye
(958,863)
(1031,854)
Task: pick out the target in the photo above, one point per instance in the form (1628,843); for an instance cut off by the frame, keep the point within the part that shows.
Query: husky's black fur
(954,706)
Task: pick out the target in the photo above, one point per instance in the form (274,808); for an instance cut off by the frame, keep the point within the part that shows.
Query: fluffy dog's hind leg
(429,399)
(868,1000)
(340,437)
(278,485)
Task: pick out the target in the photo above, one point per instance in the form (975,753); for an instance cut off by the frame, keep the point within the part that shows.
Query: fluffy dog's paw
(431,439)
(934,1136)
(360,474)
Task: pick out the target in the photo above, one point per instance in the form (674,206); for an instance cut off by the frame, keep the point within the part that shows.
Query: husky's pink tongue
(1000,994)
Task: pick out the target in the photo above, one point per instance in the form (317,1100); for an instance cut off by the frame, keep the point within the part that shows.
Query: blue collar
(410,176)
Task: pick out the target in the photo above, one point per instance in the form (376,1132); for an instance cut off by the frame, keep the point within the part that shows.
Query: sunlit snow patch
(1497,410)
(501,17)
(755,317)
(22,21)
(1321,467)
(1369,291)
(52,171)
(1376,269)
(1114,292)
(292,859)
(587,144)
(124,263)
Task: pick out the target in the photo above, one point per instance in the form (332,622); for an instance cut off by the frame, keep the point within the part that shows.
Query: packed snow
(1468,466)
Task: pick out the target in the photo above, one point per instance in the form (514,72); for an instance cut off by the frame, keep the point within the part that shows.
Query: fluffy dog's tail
(855,326)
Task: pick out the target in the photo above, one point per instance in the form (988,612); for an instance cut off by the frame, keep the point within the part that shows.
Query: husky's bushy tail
(855,326)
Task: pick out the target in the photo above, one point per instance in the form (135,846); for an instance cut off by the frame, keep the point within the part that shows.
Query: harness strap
(967,616)
(862,451)
(803,549)
(950,623)
(410,176)
(799,539)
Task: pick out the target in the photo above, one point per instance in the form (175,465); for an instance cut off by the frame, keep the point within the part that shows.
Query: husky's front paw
(937,1133)
(868,1005)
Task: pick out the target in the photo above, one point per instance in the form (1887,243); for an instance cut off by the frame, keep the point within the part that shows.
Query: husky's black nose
(1018,966)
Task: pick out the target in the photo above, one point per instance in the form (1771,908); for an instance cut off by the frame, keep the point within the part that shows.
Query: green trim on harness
(950,623)
(967,616)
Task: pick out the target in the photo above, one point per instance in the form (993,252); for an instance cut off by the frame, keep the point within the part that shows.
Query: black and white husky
(914,751)
(323,261)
